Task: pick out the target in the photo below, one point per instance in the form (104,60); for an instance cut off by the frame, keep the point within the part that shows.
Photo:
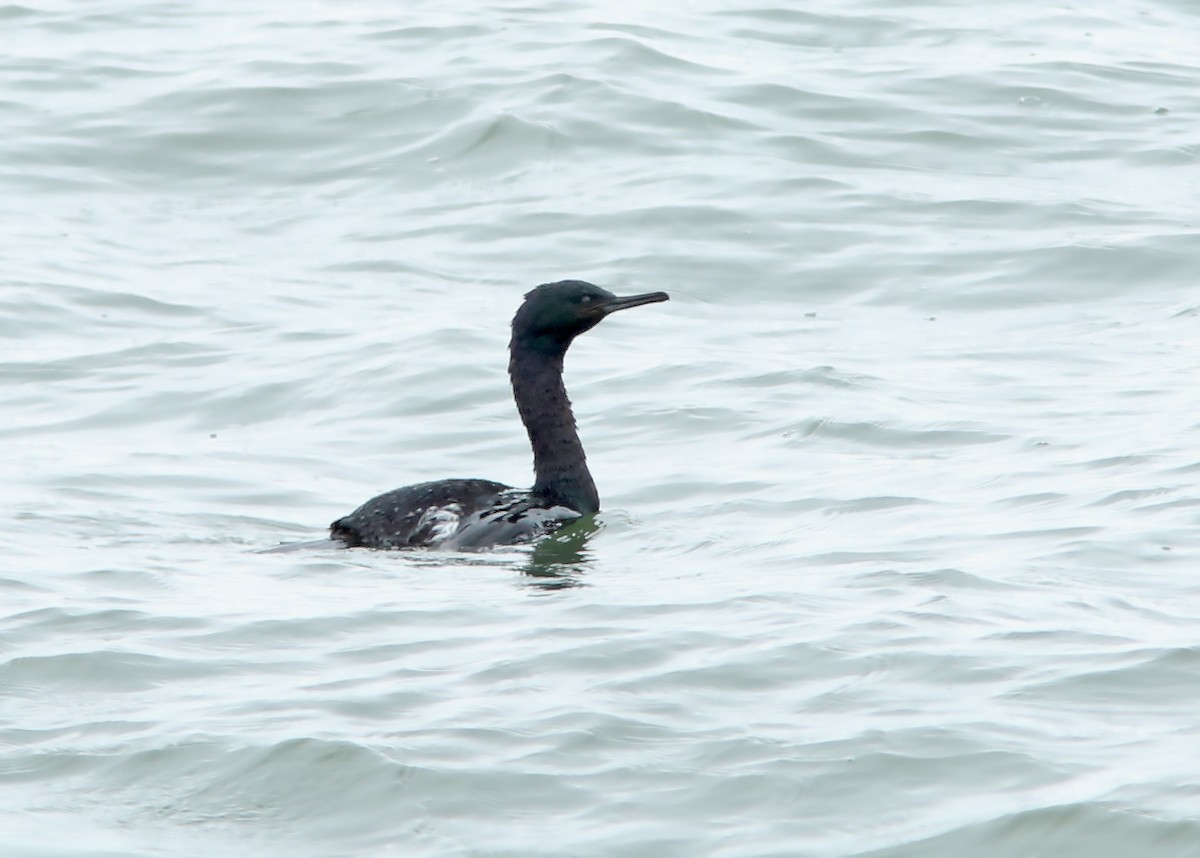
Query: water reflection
(558,560)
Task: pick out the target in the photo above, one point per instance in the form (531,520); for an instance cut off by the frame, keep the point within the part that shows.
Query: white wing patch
(440,522)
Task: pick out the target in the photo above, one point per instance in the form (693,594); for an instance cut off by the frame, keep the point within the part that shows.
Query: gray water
(899,548)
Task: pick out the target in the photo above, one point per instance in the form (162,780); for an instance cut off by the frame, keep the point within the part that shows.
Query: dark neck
(559,464)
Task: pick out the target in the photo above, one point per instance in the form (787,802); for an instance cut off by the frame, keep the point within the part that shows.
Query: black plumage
(473,513)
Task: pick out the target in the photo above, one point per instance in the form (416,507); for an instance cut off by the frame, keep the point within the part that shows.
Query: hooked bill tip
(624,302)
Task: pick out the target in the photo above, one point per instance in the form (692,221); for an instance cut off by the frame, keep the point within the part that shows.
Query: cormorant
(473,513)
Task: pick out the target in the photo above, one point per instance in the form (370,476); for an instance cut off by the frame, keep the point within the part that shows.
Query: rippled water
(899,550)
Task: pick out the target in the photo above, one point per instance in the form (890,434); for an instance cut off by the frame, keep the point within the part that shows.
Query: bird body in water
(470,513)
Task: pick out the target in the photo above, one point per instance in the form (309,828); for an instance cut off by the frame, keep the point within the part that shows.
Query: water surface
(899,543)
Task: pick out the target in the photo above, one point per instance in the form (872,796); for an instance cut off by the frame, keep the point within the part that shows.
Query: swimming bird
(473,513)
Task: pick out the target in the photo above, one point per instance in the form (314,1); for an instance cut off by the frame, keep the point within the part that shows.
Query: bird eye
(585,299)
